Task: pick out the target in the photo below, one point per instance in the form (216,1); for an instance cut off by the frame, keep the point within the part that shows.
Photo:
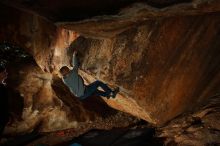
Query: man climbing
(76,85)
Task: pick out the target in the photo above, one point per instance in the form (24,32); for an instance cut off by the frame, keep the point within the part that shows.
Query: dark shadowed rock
(97,18)
(198,128)
(38,36)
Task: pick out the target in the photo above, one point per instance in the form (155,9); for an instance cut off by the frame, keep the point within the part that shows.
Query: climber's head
(64,70)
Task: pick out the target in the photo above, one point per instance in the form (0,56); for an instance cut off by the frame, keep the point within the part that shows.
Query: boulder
(164,64)
(163,67)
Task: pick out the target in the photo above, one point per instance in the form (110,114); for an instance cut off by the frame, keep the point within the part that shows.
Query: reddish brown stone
(164,67)
(48,104)
(40,37)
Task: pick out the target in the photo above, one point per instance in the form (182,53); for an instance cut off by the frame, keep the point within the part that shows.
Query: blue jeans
(92,89)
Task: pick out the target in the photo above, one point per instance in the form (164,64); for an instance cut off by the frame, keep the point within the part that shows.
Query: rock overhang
(107,18)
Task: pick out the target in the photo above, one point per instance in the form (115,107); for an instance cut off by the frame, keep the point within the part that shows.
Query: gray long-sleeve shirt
(74,81)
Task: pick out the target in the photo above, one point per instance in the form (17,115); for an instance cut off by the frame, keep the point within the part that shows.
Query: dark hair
(64,70)
(2,68)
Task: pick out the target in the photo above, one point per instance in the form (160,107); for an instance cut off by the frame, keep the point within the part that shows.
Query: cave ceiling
(58,11)
(98,18)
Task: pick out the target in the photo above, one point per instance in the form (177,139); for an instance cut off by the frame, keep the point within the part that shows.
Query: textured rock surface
(200,128)
(99,18)
(73,10)
(164,69)
(47,102)
(38,36)
(167,62)
(44,102)
(133,15)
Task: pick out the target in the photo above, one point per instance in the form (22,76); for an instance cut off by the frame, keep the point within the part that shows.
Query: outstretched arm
(75,62)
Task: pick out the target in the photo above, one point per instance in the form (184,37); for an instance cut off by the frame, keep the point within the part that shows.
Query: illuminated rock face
(47,102)
(164,67)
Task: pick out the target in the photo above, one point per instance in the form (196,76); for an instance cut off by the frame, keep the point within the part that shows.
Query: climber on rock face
(76,85)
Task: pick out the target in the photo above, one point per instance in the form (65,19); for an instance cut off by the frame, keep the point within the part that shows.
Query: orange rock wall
(164,66)
(167,65)
(47,102)
(40,37)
